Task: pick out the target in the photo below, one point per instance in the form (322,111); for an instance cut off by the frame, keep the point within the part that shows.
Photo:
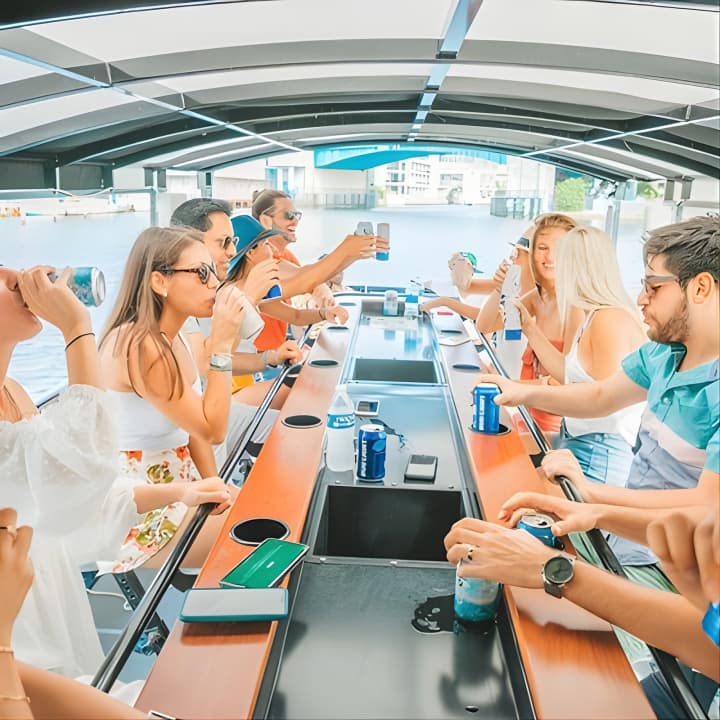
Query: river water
(422,239)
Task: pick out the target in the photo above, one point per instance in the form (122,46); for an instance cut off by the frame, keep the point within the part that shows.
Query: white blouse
(59,470)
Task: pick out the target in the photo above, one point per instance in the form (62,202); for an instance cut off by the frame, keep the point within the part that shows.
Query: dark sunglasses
(288,214)
(228,241)
(203,271)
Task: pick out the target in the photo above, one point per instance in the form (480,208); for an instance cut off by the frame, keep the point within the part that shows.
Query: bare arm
(612,335)
(203,456)
(469,311)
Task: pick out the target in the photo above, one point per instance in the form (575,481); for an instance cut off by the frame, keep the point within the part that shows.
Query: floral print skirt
(157,527)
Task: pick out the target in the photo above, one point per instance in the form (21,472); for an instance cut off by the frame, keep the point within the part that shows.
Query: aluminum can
(539,526)
(87,284)
(486,414)
(711,623)
(372,440)
(475,598)
(274,292)
(383,230)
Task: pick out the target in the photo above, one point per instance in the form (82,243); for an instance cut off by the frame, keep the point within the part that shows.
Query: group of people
(107,472)
(638,398)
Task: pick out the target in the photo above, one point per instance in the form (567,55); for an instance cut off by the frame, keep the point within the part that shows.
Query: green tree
(570,195)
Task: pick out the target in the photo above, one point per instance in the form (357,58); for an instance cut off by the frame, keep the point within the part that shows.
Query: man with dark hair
(212,218)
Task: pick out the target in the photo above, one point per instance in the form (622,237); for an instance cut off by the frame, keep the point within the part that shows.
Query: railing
(115,660)
(666,663)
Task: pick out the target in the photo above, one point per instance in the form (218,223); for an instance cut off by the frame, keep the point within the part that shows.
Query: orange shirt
(531,370)
(274,332)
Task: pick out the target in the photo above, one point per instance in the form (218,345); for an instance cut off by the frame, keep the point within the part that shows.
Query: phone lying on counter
(421,468)
(367,408)
(266,565)
(234,605)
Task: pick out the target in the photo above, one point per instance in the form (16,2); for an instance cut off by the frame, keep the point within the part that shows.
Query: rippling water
(422,239)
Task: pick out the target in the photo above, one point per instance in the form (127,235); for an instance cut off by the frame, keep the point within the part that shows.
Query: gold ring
(12,529)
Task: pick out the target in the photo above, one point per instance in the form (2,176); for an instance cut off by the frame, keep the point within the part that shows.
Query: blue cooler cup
(475,598)
(274,292)
(87,284)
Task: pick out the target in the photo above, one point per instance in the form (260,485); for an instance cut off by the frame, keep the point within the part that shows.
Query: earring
(165,294)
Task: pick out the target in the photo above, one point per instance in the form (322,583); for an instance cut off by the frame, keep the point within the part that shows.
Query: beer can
(274,292)
(475,598)
(486,414)
(87,284)
(711,623)
(372,440)
(383,230)
(539,526)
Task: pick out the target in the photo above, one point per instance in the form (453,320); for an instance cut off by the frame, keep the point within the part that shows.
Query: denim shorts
(603,457)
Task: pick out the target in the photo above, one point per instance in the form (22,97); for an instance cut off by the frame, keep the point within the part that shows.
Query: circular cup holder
(469,367)
(323,362)
(337,327)
(292,375)
(504,430)
(255,530)
(347,304)
(301,421)
(451,331)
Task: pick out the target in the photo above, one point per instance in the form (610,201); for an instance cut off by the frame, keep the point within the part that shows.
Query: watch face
(558,570)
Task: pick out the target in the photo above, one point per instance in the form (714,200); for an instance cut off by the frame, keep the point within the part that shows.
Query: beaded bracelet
(77,337)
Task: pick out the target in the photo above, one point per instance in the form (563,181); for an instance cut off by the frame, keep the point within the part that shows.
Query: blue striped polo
(679,432)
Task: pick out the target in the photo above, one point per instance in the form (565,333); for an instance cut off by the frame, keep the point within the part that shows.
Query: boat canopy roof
(611,88)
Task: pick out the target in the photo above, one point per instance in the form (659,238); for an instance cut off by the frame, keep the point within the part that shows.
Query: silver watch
(220,362)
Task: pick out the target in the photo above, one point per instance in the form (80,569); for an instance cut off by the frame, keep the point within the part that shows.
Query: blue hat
(248,234)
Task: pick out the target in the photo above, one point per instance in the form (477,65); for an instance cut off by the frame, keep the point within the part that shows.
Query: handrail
(666,663)
(117,656)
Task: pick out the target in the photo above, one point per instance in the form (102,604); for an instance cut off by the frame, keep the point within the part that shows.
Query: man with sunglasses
(677,456)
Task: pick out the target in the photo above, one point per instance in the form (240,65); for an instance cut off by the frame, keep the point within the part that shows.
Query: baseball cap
(248,234)
(522,243)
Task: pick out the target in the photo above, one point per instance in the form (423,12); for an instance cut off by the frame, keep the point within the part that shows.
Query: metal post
(154,215)
(667,664)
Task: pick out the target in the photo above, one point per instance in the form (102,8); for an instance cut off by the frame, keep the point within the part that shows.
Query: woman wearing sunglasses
(166,423)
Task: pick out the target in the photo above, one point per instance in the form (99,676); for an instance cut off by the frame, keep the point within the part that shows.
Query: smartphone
(421,467)
(367,408)
(266,565)
(236,605)
(364,228)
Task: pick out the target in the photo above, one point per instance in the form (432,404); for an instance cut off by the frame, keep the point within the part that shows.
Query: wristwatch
(221,362)
(557,572)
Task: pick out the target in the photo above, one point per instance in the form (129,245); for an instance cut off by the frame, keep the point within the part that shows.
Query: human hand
(208,490)
(288,353)
(574,517)
(461,270)
(226,319)
(322,296)
(16,570)
(497,553)
(54,302)
(687,543)
(434,303)
(499,277)
(563,462)
(511,393)
(358,247)
(528,323)
(260,279)
(336,314)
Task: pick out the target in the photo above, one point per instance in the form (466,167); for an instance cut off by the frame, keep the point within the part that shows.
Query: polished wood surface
(574,666)
(573,662)
(215,671)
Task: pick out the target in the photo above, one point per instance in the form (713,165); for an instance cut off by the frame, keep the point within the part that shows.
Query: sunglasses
(228,241)
(650,284)
(288,214)
(203,271)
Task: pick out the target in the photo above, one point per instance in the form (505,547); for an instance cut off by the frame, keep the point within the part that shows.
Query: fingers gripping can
(475,598)
(539,526)
(372,440)
(486,414)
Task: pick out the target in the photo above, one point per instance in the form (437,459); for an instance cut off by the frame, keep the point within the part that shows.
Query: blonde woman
(166,423)
(588,280)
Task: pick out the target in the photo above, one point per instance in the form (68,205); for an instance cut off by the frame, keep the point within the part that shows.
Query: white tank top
(141,426)
(624,422)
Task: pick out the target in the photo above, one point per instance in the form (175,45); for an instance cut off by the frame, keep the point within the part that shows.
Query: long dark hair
(138,307)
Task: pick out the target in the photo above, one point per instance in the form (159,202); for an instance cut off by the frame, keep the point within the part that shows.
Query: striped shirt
(679,433)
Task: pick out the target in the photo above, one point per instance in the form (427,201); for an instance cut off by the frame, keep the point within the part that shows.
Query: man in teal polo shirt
(677,461)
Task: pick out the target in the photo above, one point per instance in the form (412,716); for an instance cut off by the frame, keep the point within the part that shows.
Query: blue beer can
(539,526)
(486,414)
(372,440)
(475,598)
(274,292)
(87,284)
(711,623)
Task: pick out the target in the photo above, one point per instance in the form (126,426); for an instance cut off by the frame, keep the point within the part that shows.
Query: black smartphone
(367,408)
(421,467)
(266,565)
(234,605)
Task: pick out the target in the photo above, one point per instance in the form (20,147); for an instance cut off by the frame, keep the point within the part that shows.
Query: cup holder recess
(504,430)
(466,366)
(323,362)
(301,421)
(292,375)
(337,327)
(451,331)
(347,304)
(255,530)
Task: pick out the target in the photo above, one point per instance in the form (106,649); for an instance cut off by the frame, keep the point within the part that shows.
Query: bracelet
(19,698)
(322,313)
(6,649)
(77,337)
(266,360)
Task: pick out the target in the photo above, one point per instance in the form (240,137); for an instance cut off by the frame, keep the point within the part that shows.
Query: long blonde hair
(588,274)
(545,222)
(138,307)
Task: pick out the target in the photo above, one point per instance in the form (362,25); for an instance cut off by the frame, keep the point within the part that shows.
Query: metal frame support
(612,217)
(205,183)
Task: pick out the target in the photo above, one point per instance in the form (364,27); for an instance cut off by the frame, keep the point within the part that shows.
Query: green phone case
(266,565)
